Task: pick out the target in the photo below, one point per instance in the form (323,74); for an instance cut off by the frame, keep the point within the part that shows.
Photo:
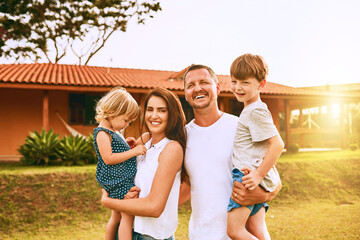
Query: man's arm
(185,193)
(246,197)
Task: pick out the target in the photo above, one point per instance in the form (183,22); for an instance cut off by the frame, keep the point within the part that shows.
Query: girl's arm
(141,140)
(254,177)
(104,143)
(170,161)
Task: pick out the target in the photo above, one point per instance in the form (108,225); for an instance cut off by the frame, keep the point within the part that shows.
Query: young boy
(257,146)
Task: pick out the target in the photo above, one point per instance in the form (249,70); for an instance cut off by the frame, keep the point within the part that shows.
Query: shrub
(74,150)
(40,149)
(353,147)
(293,148)
(92,158)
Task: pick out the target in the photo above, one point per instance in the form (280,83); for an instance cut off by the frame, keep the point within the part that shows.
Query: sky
(305,43)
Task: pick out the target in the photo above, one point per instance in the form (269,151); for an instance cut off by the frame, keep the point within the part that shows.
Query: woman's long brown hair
(175,128)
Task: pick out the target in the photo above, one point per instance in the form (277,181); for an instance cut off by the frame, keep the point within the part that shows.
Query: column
(287,122)
(45,115)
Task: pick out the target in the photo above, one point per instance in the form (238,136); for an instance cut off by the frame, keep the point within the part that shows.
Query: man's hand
(246,197)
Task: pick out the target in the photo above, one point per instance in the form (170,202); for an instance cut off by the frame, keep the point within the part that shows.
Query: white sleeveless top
(164,226)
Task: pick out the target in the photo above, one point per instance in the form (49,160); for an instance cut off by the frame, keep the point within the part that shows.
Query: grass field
(320,199)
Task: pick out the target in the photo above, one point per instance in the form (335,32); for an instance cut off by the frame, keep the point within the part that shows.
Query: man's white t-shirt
(208,163)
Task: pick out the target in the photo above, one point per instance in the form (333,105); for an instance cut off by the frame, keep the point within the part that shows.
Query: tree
(30,29)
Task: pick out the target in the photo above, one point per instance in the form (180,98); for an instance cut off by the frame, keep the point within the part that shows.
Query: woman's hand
(133,193)
(104,197)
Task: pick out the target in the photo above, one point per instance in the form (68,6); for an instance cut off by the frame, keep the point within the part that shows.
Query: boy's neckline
(258,100)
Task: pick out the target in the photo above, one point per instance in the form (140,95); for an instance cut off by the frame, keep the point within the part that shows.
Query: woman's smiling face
(156,115)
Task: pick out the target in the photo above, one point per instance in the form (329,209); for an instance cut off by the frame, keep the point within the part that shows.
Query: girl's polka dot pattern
(119,178)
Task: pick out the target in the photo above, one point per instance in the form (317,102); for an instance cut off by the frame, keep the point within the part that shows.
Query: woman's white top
(164,226)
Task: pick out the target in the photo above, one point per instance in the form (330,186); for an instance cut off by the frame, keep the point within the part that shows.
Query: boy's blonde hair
(115,103)
(248,66)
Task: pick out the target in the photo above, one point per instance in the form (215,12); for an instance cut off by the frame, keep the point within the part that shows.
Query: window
(236,107)
(82,108)
(188,111)
(76,107)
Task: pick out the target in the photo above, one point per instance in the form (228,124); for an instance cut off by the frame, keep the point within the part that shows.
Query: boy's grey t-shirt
(255,125)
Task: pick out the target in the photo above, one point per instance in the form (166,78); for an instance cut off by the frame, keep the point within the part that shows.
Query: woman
(158,171)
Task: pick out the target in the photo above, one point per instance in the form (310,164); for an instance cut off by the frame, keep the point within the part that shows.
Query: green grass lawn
(320,199)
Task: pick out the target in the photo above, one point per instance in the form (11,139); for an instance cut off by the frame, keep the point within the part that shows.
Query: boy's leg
(256,225)
(236,221)
(112,225)
(125,227)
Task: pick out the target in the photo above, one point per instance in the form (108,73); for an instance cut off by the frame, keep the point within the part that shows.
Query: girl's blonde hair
(115,103)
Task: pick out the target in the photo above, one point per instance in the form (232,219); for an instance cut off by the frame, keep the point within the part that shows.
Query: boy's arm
(274,151)
(104,144)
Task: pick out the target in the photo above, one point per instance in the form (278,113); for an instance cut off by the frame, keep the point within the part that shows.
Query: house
(351,88)
(339,112)
(36,96)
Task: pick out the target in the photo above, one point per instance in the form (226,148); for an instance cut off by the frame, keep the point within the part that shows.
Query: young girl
(116,166)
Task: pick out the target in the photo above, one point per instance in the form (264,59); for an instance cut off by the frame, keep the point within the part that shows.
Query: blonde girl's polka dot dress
(119,178)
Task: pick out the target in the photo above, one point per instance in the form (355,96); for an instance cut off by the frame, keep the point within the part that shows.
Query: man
(208,159)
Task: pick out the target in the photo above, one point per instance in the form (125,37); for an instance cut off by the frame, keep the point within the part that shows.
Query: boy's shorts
(237,176)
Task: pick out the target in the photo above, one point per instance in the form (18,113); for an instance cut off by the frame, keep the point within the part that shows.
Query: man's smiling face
(200,89)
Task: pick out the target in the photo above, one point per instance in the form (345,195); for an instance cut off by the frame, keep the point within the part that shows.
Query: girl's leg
(236,221)
(125,227)
(112,225)
(256,225)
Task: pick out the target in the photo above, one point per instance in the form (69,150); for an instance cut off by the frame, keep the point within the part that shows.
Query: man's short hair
(199,66)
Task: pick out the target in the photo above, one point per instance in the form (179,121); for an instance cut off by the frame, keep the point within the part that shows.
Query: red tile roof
(88,76)
(344,88)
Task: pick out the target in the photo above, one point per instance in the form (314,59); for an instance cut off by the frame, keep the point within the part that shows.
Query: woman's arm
(104,143)
(170,161)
